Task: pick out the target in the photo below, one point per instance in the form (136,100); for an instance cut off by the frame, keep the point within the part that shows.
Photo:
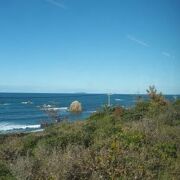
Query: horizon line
(166,94)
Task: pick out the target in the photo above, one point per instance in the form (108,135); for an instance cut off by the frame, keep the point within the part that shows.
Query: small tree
(158,103)
(107,109)
(156,97)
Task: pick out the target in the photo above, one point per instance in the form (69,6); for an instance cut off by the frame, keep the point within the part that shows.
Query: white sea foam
(61,108)
(27,102)
(118,99)
(46,107)
(37,130)
(24,102)
(8,127)
(91,111)
(4,104)
(49,108)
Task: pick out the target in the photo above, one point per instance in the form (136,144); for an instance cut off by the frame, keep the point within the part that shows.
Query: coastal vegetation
(141,142)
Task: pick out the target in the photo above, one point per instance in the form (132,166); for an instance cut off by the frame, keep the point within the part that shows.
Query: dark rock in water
(45,124)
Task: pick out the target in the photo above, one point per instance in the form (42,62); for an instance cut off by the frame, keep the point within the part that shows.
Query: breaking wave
(9,127)
(50,107)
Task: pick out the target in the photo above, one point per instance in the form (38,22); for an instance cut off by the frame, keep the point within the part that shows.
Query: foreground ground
(142,142)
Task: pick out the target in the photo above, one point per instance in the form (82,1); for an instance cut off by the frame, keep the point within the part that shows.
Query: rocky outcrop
(75,107)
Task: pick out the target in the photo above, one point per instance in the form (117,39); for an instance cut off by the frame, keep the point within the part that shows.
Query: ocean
(22,112)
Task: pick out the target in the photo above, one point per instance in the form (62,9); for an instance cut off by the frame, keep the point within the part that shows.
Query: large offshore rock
(75,107)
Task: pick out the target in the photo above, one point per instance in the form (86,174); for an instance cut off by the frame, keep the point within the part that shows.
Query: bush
(166,150)
(155,97)
(29,142)
(5,173)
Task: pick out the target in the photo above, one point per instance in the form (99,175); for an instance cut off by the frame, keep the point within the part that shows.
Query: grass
(142,142)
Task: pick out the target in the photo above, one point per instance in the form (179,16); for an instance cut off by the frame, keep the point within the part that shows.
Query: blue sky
(118,46)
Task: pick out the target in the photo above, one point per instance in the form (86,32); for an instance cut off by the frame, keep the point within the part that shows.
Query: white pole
(109,99)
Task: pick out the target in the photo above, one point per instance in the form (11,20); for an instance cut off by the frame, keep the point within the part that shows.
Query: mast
(109,99)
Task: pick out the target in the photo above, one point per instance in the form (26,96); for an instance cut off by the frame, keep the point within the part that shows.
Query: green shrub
(176,105)
(107,109)
(155,97)
(88,133)
(29,142)
(11,147)
(142,108)
(5,173)
(135,139)
(97,115)
(166,150)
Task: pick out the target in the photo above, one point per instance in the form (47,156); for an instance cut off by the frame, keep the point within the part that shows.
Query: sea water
(21,112)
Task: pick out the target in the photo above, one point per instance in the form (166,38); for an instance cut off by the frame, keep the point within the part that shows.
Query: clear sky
(118,46)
